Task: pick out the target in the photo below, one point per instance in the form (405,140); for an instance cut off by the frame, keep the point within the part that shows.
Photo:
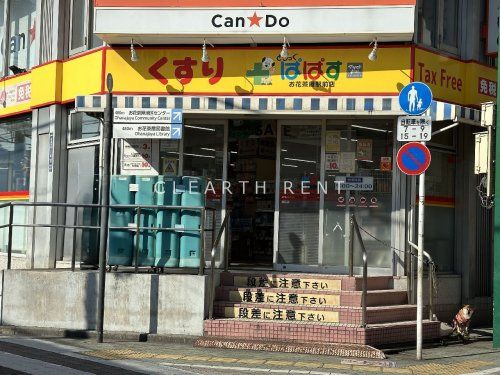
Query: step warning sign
(169,166)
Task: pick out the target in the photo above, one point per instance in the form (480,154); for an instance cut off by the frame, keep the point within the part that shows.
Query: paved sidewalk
(478,356)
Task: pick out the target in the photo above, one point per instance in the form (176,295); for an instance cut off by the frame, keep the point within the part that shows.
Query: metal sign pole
(103,235)
(420,261)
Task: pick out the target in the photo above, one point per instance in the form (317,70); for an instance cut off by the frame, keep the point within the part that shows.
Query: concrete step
(308,332)
(311,297)
(303,281)
(338,350)
(316,313)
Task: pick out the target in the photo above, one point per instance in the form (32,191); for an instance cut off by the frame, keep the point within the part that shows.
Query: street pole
(496,234)
(103,240)
(420,261)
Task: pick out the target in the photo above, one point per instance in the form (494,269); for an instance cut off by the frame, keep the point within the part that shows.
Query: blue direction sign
(413,158)
(415,98)
(176,116)
(176,131)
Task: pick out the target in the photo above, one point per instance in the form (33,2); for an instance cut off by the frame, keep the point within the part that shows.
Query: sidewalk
(478,356)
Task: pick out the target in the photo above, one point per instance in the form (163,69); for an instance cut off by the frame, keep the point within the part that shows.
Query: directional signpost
(413,159)
(164,123)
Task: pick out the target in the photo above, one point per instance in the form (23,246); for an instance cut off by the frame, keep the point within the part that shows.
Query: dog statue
(461,322)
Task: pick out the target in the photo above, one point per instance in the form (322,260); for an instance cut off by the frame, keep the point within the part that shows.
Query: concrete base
(144,303)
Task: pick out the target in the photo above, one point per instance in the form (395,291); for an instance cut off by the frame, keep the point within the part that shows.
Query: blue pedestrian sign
(415,98)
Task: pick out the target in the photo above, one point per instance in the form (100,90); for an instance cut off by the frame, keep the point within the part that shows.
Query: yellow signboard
(260,71)
(265,281)
(307,71)
(297,298)
(290,314)
(467,83)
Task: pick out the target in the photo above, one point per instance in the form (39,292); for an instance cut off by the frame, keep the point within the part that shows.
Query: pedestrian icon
(415,98)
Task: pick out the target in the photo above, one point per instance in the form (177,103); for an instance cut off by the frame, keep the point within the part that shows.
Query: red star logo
(254,20)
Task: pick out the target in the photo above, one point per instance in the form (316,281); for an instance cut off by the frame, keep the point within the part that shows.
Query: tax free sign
(141,123)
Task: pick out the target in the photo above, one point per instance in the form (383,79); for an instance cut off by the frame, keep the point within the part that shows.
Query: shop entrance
(252,177)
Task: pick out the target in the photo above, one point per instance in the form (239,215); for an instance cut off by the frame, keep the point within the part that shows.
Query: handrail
(354,230)
(137,227)
(431,279)
(364,285)
(224,228)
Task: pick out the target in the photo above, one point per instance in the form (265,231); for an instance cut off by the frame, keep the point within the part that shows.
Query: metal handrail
(355,230)
(430,277)
(224,228)
(364,285)
(137,227)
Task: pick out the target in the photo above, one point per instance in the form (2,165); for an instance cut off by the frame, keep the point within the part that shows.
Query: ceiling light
(204,53)
(133,53)
(284,49)
(373,54)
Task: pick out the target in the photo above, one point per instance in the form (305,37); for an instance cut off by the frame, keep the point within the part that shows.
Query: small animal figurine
(461,322)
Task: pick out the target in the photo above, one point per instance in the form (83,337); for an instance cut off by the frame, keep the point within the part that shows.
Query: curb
(91,334)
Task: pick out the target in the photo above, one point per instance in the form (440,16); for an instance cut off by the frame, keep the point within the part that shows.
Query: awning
(342,105)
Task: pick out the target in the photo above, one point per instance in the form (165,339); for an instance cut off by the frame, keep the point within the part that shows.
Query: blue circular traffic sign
(415,98)
(413,158)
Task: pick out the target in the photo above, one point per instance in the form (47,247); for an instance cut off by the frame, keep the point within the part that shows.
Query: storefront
(293,125)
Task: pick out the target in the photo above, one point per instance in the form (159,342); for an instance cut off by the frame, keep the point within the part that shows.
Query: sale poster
(364,149)
(332,162)
(386,163)
(136,155)
(347,162)
(332,141)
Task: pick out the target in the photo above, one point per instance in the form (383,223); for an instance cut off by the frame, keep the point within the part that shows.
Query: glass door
(359,172)
(297,198)
(252,178)
(83,188)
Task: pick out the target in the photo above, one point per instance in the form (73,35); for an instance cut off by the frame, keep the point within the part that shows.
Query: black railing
(224,228)
(355,230)
(137,228)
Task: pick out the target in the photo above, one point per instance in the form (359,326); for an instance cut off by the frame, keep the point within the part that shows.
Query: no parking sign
(413,158)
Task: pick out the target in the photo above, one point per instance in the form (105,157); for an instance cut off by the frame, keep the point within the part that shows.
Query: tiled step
(307,332)
(314,313)
(303,281)
(311,297)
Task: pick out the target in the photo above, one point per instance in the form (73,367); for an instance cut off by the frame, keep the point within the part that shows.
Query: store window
(440,198)
(439,229)
(22,33)
(82,37)
(15,151)
(15,157)
(300,160)
(203,156)
(2,35)
(438,24)
(359,153)
(85,126)
(450,23)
